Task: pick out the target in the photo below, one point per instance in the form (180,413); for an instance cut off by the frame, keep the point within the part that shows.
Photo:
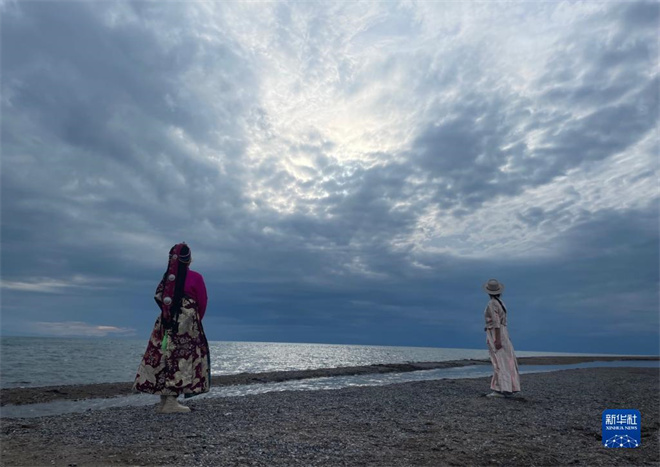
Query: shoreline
(41,394)
(555,421)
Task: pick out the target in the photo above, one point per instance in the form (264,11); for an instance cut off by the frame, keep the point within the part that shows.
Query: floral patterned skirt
(181,364)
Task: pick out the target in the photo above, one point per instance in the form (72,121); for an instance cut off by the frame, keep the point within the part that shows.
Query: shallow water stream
(312,384)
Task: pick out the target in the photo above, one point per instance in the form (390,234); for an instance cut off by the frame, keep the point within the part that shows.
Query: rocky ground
(556,421)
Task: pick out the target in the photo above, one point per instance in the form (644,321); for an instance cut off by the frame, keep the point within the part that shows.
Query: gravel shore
(18,396)
(556,421)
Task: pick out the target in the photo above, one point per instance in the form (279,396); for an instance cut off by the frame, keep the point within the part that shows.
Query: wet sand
(19,396)
(556,421)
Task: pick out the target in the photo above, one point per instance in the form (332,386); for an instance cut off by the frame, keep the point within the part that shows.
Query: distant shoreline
(32,395)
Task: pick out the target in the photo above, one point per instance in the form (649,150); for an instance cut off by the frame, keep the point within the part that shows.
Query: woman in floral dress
(177,357)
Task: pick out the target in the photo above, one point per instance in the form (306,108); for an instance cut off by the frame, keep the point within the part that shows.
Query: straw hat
(493,287)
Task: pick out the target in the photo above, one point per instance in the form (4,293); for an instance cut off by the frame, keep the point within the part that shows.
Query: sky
(344,172)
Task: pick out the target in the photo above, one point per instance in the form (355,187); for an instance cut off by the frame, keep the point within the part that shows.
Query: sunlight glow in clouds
(345,86)
(321,155)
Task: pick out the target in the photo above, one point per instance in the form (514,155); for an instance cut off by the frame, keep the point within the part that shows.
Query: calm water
(35,361)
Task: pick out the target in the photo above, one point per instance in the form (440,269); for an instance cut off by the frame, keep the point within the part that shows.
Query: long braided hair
(173,283)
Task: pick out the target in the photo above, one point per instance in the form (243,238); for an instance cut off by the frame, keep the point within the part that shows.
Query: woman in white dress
(506,379)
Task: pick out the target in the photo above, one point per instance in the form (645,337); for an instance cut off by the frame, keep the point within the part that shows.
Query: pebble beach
(556,420)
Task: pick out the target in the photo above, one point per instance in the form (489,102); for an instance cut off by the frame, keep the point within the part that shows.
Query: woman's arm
(498,339)
(493,322)
(196,289)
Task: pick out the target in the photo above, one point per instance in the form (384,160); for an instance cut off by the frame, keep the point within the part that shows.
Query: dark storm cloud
(91,147)
(599,290)
(604,284)
(96,74)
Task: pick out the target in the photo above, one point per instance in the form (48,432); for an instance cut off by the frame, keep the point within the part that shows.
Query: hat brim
(493,292)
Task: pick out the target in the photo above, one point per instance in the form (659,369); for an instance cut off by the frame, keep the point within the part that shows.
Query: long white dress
(506,377)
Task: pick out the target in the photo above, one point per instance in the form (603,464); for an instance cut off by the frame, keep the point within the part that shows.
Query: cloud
(43,286)
(77,329)
(123,140)
(49,285)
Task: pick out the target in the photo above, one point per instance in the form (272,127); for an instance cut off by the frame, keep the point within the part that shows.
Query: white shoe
(171,405)
(495,394)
